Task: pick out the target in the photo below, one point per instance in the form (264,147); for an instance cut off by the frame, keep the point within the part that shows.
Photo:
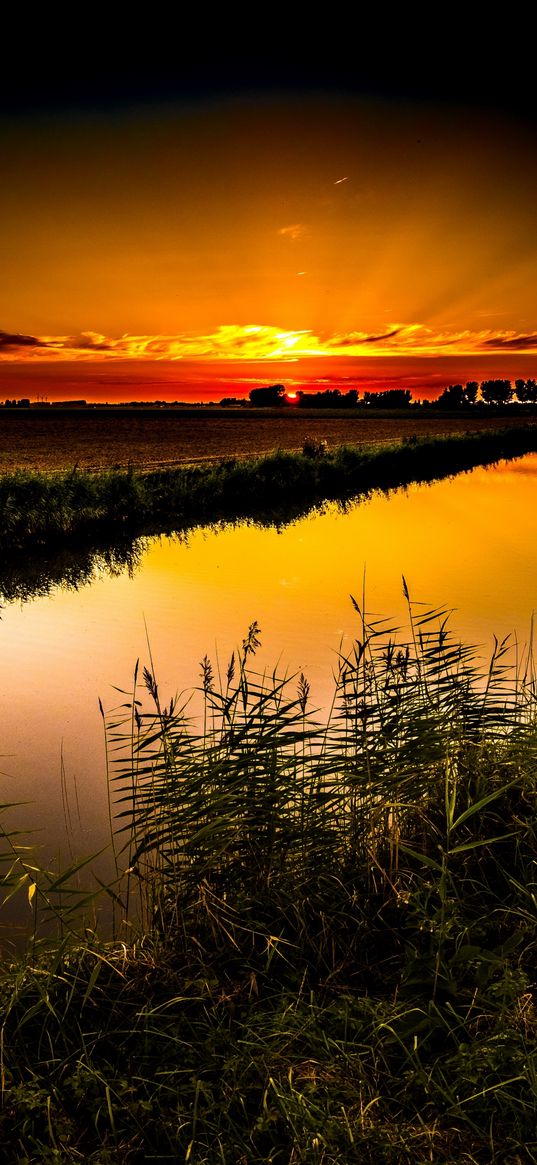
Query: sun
(293,396)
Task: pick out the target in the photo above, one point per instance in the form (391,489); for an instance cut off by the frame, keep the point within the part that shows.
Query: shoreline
(67,509)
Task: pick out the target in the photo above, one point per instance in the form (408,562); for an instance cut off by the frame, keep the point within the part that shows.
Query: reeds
(336,956)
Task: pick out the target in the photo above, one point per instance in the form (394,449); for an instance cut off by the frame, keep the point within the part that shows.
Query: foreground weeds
(335,944)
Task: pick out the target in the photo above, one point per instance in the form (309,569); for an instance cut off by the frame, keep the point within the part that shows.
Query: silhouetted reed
(334,955)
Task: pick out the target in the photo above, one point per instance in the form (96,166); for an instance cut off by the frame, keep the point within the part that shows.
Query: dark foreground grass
(58,509)
(336,938)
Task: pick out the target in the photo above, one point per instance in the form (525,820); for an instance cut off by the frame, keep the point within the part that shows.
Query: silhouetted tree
(496,392)
(328,399)
(526,390)
(273,394)
(457,397)
(392,398)
(452,397)
(331,398)
(470,391)
(520,390)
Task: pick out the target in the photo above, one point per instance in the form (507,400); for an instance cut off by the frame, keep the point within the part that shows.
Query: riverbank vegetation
(60,509)
(326,926)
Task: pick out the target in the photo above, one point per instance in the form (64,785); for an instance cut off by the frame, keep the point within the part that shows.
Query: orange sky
(193,250)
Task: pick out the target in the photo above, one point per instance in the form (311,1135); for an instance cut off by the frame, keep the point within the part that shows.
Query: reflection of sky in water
(469,543)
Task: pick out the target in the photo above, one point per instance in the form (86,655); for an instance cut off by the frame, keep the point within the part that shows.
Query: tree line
(455,396)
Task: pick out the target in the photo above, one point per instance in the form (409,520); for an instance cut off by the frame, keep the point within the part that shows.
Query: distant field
(93,440)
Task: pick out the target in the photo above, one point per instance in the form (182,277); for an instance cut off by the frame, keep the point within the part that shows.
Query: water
(469,543)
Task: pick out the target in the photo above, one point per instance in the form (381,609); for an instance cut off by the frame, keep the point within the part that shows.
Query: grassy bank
(59,509)
(335,959)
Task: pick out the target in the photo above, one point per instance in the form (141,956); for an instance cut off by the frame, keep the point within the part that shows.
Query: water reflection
(25,575)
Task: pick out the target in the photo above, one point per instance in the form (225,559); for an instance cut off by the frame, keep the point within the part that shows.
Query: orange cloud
(265,342)
(295,232)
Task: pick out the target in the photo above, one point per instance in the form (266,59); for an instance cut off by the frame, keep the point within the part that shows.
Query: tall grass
(61,509)
(336,943)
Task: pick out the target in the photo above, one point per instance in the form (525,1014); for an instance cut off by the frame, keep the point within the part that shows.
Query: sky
(174,234)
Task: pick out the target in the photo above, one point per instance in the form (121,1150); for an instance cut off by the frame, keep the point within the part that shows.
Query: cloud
(15,340)
(263,342)
(354,338)
(87,341)
(295,232)
(513,343)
